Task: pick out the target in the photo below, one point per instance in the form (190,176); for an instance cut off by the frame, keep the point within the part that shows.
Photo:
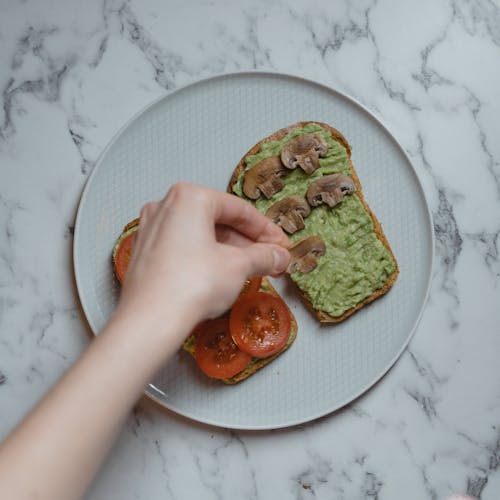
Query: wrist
(150,339)
(152,313)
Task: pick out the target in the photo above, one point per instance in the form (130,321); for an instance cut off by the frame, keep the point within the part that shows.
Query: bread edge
(336,135)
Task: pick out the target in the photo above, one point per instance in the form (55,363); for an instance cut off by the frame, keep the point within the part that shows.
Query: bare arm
(193,251)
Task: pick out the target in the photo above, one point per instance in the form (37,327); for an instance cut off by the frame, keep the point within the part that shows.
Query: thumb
(265,258)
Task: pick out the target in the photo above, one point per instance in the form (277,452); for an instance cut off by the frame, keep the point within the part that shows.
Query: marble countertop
(73,72)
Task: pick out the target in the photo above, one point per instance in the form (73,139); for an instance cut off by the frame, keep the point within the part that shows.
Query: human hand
(192,254)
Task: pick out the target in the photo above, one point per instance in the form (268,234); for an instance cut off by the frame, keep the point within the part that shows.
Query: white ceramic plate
(199,133)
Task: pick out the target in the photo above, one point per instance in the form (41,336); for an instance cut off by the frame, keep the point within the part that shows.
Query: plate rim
(148,392)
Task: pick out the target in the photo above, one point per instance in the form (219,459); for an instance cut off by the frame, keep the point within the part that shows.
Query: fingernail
(281,259)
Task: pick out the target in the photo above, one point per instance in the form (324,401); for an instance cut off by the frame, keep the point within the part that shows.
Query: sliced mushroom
(265,178)
(289,213)
(304,152)
(330,189)
(304,254)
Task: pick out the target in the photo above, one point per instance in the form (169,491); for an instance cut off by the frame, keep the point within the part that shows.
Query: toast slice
(338,147)
(188,345)
(255,363)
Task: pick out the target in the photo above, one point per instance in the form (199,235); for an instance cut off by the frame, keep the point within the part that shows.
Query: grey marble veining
(73,72)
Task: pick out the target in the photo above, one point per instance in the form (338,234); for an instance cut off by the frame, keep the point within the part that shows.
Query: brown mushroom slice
(304,254)
(304,152)
(289,213)
(330,189)
(265,178)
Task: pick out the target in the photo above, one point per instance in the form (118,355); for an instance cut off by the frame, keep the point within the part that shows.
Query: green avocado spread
(356,262)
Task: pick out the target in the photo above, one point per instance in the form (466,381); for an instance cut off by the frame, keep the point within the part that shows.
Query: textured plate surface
(198,134)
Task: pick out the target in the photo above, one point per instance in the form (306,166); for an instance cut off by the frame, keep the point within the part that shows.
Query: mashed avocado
(356,262)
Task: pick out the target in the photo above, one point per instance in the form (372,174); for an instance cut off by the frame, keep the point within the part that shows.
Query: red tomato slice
(251,285)
(123,254)
(215,352)
(260,324)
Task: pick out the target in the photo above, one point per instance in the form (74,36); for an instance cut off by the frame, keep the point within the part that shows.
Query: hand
(193,252)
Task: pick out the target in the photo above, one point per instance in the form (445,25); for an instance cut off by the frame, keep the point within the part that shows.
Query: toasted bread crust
(131,224)
(323,316)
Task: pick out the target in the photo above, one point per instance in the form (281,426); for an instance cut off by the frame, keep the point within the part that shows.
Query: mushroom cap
(330,189)
(289,213)
(264,177)
(304,254)
(304,151)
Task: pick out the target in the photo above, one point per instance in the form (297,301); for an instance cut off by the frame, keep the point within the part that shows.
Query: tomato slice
(260,324)
(123,254)
(215,351)
(251,285)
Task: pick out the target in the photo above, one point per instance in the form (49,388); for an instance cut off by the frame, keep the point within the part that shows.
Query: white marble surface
(71,73)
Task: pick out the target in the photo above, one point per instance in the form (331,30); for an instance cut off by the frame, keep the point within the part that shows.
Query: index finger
(246,219)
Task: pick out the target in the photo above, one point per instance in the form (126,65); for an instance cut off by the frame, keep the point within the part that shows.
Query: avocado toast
(233,346)
(358,265)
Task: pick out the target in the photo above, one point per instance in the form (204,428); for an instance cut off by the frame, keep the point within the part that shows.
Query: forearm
(65,438)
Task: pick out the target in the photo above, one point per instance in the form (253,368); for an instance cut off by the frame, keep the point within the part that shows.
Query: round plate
(199,133)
